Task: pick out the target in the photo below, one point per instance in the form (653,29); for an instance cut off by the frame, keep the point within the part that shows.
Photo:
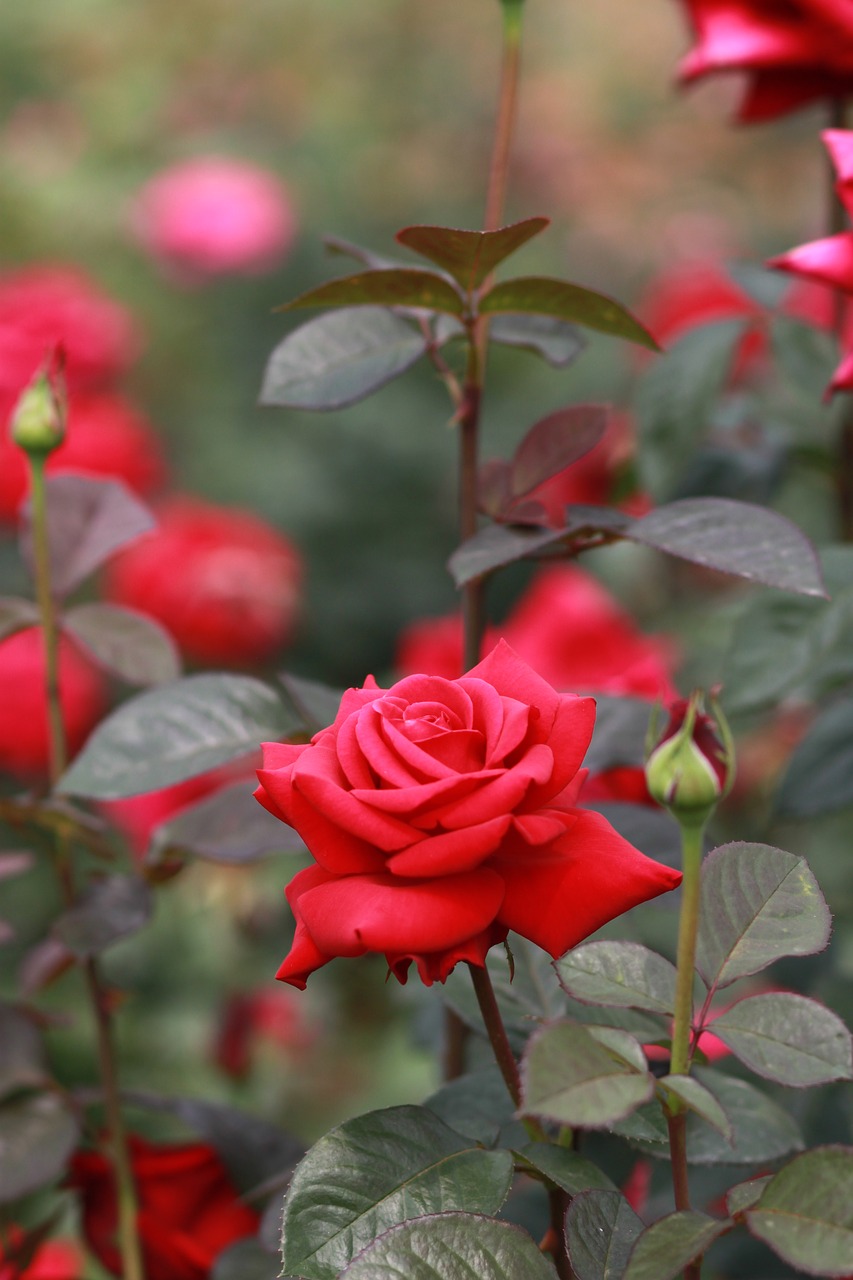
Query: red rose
(441,814)
(830,260)
(53,1260)
(214,216)
(43,307)
(223,582)
(24,739)
(792,52)
(275,1014)
(105,437)
(188,1210)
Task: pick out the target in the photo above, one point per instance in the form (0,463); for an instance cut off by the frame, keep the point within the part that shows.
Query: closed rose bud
(692,766)
(38,419)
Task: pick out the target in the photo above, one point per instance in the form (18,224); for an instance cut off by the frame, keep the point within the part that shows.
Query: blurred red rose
(222,581)
(214,216)
(830,260)
(441,814)
(53,1260)
(271,1013)
(24,739)
(189,1210)
(569,628)
(45,307)
(106,437)
(792,52)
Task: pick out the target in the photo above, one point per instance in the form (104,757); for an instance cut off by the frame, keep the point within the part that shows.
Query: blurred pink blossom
(214,216)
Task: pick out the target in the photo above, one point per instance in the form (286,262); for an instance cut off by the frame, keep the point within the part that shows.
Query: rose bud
(692,767)
(38,419)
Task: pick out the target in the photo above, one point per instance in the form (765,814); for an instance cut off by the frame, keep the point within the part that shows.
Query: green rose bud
(38,419)
(691,767)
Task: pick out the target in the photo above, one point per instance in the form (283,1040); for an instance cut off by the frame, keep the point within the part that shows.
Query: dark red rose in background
(106,437)
(830,260)
(189,1210)
(222,581)
(43,307)
(792,51)
(53,1260)
(441,814)
(24,749)
(274,1014)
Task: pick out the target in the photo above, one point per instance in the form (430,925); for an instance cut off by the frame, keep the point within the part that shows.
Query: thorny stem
(128,1235)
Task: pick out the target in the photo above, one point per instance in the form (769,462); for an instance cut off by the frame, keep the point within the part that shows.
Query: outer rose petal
(452,851)
(559,895)
(511,676)
(435,966)
(354,914)
(842,379)
(829,260)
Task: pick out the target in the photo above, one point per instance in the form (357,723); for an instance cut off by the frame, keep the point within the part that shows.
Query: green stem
(507,105)
(688,926)
(128,1235)
(836,222)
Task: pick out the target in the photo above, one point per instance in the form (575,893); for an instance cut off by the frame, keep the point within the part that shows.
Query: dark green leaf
(758,904)
(554,443)
(624,974)
(228,827)
(675,401)
(37,1135)
(340,358)
(109,910)
(569,1170)
(22,1057)
(733,537)
(601,1229)
(525,998)
(762,1130)
(88,521)
(254,1151)
(569,1077)
(805,1213)
(470,256)
(450,1246)
(128,644)
(806,355)
(787,1038)
(317,704)
(16,614)
(554,340)
(745,1194)
(668,1245)
(175,732)
(621,725)
(496,545)
(700,1101)
(378,1170)
(819,777)
(542,295)
(477,1104)
(376,261)
(396,287)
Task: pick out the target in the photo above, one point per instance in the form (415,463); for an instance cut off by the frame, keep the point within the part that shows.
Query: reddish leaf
(470,256)
(554,443)
(396,287)
(542,295)
(493,487)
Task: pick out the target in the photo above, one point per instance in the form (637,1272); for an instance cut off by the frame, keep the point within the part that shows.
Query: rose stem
(132,1268)
(688,927)
(468,413)
(836,222)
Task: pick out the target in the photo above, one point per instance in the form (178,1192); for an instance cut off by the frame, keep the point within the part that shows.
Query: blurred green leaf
(22,1055)
(339,358)
(470,256)
(128,644)
(228,827)
(757,905)
(543,295)
(476,1104)
(107,911)
(556,341)
(315,703)
(787,1038)
(395,287)
(805,1213)
(601,1229)
(624,974)
(668,1245)
(376,1171)
(16,614)
(819,777)
(246,1260)
(448,1246)
(177,731)
(37,1135)
(497,545)
(569,1077)
(745,1194)
(675,401)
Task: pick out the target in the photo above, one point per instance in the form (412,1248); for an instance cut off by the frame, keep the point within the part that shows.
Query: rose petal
(829,260)
(500,796)
(336,850)
(557,896)
(317,779)
(512,677)
(569,739)
(452,851)
(435,966)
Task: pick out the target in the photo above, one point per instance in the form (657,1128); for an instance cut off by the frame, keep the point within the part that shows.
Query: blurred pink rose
(792,53)
(214,216)
(106,437)
(830,260)
(45,307)
(221,580)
